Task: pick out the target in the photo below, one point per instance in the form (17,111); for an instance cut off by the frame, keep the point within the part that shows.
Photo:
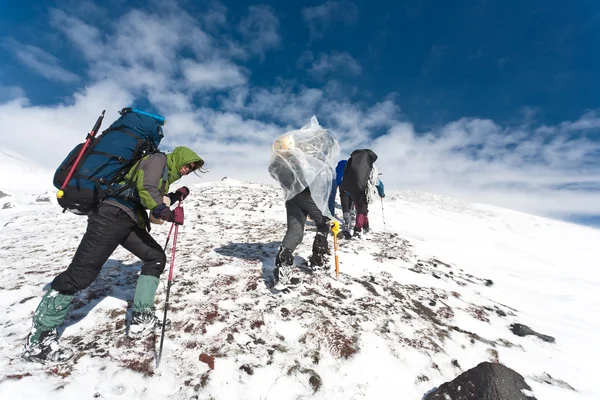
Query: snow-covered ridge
(431,296)
(23,181)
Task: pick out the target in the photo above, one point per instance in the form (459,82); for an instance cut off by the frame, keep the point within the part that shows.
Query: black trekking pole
(162,335)
(168,237)
(382,214)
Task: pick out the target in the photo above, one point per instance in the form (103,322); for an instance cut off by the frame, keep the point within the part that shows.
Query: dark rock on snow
(43,198)
(524,330)
(487,381)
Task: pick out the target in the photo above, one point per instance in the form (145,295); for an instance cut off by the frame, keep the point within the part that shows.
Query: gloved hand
(383,196)
(176,215)
(161,211)
(179,194)
(182,193)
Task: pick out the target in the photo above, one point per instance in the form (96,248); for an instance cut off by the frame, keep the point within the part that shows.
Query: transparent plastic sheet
(372,193)
(306,157)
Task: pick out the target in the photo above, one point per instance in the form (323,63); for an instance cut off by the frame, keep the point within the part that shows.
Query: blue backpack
(107,159)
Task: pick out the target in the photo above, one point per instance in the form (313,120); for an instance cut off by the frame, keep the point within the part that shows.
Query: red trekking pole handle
(89,138)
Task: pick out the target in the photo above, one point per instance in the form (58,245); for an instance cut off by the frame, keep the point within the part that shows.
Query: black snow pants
(108,227)
(297,209)
(360,203)
(345,201)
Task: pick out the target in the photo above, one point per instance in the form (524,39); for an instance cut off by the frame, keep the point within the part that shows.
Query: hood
(372,156)
(178,158)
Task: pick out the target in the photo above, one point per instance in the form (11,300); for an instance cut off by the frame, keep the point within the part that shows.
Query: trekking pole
(382,214)
(162,334)
(89,138)
(335,228)
(168,237)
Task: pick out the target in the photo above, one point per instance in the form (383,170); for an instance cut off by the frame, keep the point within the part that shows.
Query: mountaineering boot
(144,322)
(358,227)
(43,347)
(319,251)
(347,221)
(366,228)
(42,343)
(284,257)
(283,263)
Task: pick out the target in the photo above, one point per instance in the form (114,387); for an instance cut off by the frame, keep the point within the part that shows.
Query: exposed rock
(208,360)
(487,381)
(2,194)
(7,205)
(550,380)
(43,198)
(524,330)
(247,368)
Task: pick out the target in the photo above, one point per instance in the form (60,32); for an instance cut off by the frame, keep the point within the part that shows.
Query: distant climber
(361,180)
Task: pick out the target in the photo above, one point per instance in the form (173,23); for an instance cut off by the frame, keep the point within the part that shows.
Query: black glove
(179,195)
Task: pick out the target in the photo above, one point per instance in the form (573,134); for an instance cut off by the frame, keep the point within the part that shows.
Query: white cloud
(285,103)
(214,17)
(46,134)
(483,162)
(199,83)
(40,61)
(8,93)
(213,75)
(322,17)
(260,29)
(589,120)
(334,63)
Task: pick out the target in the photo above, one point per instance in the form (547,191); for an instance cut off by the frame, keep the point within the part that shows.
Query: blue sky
(489,101)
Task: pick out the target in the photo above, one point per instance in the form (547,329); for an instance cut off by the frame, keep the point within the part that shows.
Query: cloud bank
(196,72)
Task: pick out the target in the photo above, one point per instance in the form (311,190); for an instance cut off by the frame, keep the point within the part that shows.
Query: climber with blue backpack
(345,200)
(114,179)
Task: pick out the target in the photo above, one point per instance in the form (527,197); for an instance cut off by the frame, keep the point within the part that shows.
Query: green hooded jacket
(152,178)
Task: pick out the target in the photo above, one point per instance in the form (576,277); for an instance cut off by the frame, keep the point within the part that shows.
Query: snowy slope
(23,181)
(416,305)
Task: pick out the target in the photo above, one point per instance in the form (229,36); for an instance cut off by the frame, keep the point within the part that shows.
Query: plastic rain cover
(306,157)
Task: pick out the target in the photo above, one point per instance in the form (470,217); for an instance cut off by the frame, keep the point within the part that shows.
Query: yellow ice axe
(335,228)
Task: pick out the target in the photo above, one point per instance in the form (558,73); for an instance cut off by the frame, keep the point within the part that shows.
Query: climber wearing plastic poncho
(303,162)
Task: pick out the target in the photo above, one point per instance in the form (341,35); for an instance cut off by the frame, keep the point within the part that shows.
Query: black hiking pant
(360,202)
(108,227)
(297,209)
(345,201)
(362,209)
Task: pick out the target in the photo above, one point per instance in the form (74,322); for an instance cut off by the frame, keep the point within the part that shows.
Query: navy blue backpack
(108,158)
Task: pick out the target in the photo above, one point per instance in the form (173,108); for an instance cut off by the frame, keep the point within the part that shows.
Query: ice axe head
(335,227)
